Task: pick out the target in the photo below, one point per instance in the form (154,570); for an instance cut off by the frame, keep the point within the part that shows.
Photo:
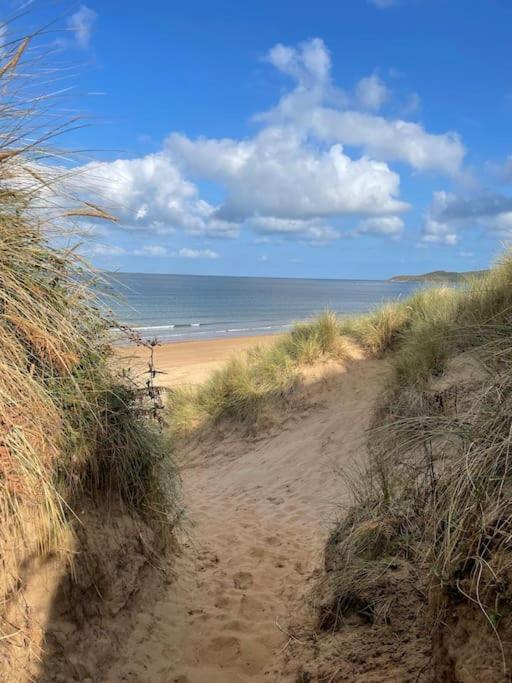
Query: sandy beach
(189,362)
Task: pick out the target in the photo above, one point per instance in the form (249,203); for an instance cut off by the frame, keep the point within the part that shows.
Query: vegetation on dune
(247,385)
(436,492)
(72,426)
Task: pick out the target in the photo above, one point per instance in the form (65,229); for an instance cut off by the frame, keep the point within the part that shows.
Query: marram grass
(437,488)
(251,383)
(71,424)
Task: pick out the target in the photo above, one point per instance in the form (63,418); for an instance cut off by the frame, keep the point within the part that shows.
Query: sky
(354,139)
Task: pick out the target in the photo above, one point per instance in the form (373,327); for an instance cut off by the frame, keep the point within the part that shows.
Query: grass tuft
(438,487)
(248,385)
(72,426)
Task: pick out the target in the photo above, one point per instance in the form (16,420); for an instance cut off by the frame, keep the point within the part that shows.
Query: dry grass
(250,384)
(437,491)
(72,427)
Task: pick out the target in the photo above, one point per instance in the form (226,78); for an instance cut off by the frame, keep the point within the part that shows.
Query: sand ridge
(259,510)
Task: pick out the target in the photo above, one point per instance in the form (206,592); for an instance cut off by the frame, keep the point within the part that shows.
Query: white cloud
(315,158)
(278,174)
(105,250)
(449,214)
(391,140)
(197,253)
(388,226)
(81,24)
(306,230)
(152,250)
(309,109)
(371,93)
(436,230)
(309,63)
(150,193)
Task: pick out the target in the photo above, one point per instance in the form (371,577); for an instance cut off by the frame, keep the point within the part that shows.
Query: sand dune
(259,511)
(189,362)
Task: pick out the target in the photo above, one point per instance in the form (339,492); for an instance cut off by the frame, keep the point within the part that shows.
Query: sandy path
(190,362)
(260,511)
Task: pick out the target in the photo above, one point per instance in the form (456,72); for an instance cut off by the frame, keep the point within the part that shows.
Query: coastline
(189,362)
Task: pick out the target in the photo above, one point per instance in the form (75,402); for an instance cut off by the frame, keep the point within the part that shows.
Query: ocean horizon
(194,307)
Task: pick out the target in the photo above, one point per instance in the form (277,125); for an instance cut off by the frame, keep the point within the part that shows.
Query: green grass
(73,429)
(250,384)
(437,489)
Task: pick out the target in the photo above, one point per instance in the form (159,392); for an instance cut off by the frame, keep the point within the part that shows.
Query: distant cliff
(439,276)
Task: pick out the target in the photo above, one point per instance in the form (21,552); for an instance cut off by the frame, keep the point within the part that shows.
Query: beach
(189,362)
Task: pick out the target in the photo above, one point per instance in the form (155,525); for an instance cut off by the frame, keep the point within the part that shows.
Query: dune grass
(73,428)
(249,384)
(437,489)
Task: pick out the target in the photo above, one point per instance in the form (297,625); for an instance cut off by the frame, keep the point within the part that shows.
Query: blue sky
(353,139)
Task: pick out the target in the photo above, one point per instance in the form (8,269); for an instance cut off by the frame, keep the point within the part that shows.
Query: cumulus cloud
(278,174)
(319,155)
(389,226)
(306,230)
(449,214)
(437,230)
(149,193)
(160,251)
(371,92)
(81,24)
(152,250)
(390,140)
(106,250)
(309,64)
(310,108)
(197,253)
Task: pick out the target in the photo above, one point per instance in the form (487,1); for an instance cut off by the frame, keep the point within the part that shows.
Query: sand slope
(259,512)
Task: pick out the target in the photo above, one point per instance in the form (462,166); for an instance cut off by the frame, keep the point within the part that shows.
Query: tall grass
(437,490)
(72,427)
(249,384)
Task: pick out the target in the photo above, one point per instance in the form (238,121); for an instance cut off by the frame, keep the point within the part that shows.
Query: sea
(185,307)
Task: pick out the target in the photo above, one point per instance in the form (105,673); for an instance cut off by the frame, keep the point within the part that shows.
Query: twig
(290,635)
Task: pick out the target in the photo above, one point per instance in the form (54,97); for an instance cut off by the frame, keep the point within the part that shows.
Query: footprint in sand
(275,501)
(273,540)
(242,580)
(257,552)
(223,649)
